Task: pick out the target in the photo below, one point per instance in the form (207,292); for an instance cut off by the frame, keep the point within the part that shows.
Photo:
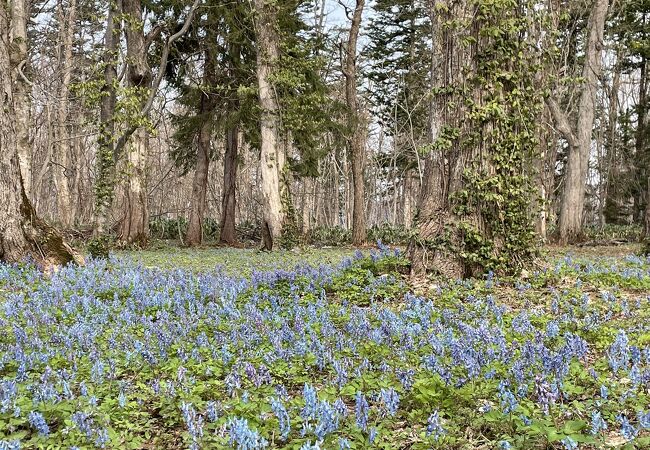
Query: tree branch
(561,122)
(123,139)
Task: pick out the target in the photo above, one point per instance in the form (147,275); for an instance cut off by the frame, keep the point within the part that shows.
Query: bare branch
(123,139)
(561,122)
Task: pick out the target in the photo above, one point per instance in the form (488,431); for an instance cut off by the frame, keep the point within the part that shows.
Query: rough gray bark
(22,233)
(227,225)
(194,235)
(357,140)
(272,152)
(105,153)
(578,135)
(134,226)
(18,33)
(62,141)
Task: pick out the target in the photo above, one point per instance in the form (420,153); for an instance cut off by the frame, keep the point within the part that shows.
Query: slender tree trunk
(408,192)
(228,200)
(194,234)
(134,226)
(272,154)
(579,138)
(62,136)
(22,233)
(357,141)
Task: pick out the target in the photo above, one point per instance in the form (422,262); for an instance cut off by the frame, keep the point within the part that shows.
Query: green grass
(234,261)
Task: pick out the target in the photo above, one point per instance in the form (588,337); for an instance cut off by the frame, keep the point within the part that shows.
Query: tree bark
(134,226)
(227,233)
(194,235)
(272,152)
(18,33)
(579,138)
(105,181)
(22,233)
(357,140)
(62,136)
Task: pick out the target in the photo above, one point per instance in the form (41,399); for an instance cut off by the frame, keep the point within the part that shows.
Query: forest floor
(325,348)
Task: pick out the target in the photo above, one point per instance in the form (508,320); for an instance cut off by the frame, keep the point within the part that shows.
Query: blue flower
(283,417)
(597,423)
(569,443)
(37,421)
(434,425)
(243,437)
(390,400)
(361,411)
(628,431)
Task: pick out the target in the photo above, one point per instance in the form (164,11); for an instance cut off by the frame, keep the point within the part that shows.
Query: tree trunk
(104,183)
(474,211)
(18,33)
(22,233)
(408,192)
(62,136)
(579,138)
(227,233)
(357,141)
(134,226)
(194,235)
(272,154)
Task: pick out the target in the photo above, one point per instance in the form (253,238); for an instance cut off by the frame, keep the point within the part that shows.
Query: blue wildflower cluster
(324,357)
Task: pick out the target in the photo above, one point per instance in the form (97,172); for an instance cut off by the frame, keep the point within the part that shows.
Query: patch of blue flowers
(113,355)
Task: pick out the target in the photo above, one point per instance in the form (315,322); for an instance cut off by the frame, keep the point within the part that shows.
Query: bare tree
(578,135)
(22,232)
(357,140)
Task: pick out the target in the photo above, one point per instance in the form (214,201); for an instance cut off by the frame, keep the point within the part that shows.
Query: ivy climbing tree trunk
(474,208)
(106,160)
(357,140)
(578,136)
(134,226)
(22,233)
(228,206)
(272,152)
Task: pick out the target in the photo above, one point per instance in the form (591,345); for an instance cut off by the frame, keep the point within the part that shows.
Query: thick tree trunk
(22,233)
(62,137)
(272,154)
(579,138)
(357,141)
(18,33)
(134,226)
(105,181)
(227,233)
(473,210)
